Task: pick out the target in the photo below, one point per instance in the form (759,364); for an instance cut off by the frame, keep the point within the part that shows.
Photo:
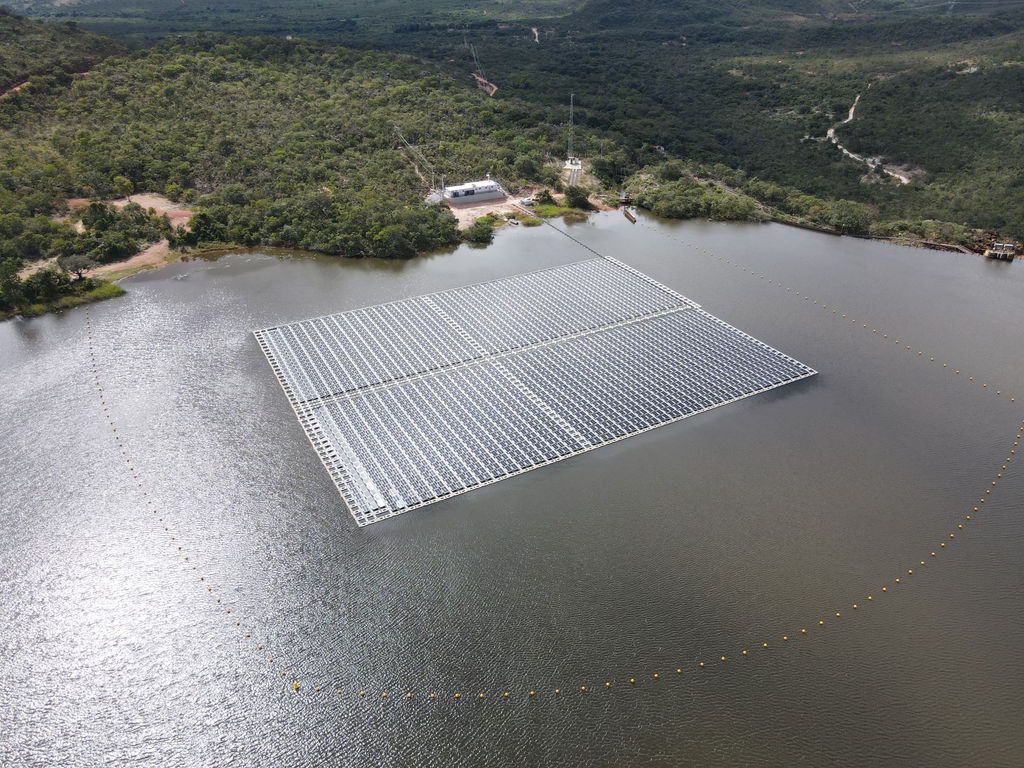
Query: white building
(473,191)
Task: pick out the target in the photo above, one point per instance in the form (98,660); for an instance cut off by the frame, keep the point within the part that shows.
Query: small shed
(473,192)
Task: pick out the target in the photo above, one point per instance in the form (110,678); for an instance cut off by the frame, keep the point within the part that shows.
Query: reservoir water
(701,539)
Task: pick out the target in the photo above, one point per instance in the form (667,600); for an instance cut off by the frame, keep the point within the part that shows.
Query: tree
(77,263)
(11,294)
(480,231)
(45,285)
(544,197)
(123,186)
(849,217)
(577,197)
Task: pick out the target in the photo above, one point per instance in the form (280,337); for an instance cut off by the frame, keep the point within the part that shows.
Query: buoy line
(506,694)
(175,540)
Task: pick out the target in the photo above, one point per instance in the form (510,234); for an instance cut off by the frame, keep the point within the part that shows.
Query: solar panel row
(365,347)
(422,399)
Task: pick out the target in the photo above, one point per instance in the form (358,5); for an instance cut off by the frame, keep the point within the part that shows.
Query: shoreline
(159,255)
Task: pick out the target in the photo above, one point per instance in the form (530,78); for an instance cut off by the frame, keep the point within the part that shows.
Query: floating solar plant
(418,400)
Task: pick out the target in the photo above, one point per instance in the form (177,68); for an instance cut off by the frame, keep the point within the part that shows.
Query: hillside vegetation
(31,47)
(275,142)
(145,21)
(755,87)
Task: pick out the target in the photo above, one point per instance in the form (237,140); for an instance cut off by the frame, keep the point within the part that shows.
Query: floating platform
(418,400)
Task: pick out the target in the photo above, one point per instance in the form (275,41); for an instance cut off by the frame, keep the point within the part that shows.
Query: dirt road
(154,255)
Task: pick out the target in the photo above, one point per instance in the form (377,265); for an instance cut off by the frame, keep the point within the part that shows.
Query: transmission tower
(569,154)
(479,69)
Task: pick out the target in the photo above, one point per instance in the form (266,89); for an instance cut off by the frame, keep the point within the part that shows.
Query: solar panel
(418,400)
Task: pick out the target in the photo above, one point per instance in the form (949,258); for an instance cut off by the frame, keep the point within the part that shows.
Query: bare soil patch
(153,256)
(467,214)
(15,89)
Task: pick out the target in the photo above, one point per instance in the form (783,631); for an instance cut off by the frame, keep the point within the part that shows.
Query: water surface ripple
(697,540)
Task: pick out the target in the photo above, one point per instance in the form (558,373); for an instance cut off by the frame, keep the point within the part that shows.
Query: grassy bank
(99,293)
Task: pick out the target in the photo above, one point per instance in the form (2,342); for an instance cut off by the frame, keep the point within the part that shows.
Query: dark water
(694,541)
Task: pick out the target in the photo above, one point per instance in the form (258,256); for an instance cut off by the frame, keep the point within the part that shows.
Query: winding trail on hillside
(871,162)
(14,89)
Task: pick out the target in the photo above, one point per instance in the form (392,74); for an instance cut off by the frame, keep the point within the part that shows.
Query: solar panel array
(421,399)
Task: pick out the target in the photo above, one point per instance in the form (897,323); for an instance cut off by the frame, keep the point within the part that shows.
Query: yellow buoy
(655,675)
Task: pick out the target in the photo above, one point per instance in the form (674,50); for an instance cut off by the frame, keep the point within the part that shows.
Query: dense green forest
(145,21)
(285,141)
(752,86)
(274,142)
(28,48)
(756,90)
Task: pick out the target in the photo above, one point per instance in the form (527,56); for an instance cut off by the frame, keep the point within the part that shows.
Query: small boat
(629,215)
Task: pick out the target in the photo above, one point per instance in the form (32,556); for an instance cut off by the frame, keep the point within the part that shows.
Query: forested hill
(755,88)
(31,47)
(275,142)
